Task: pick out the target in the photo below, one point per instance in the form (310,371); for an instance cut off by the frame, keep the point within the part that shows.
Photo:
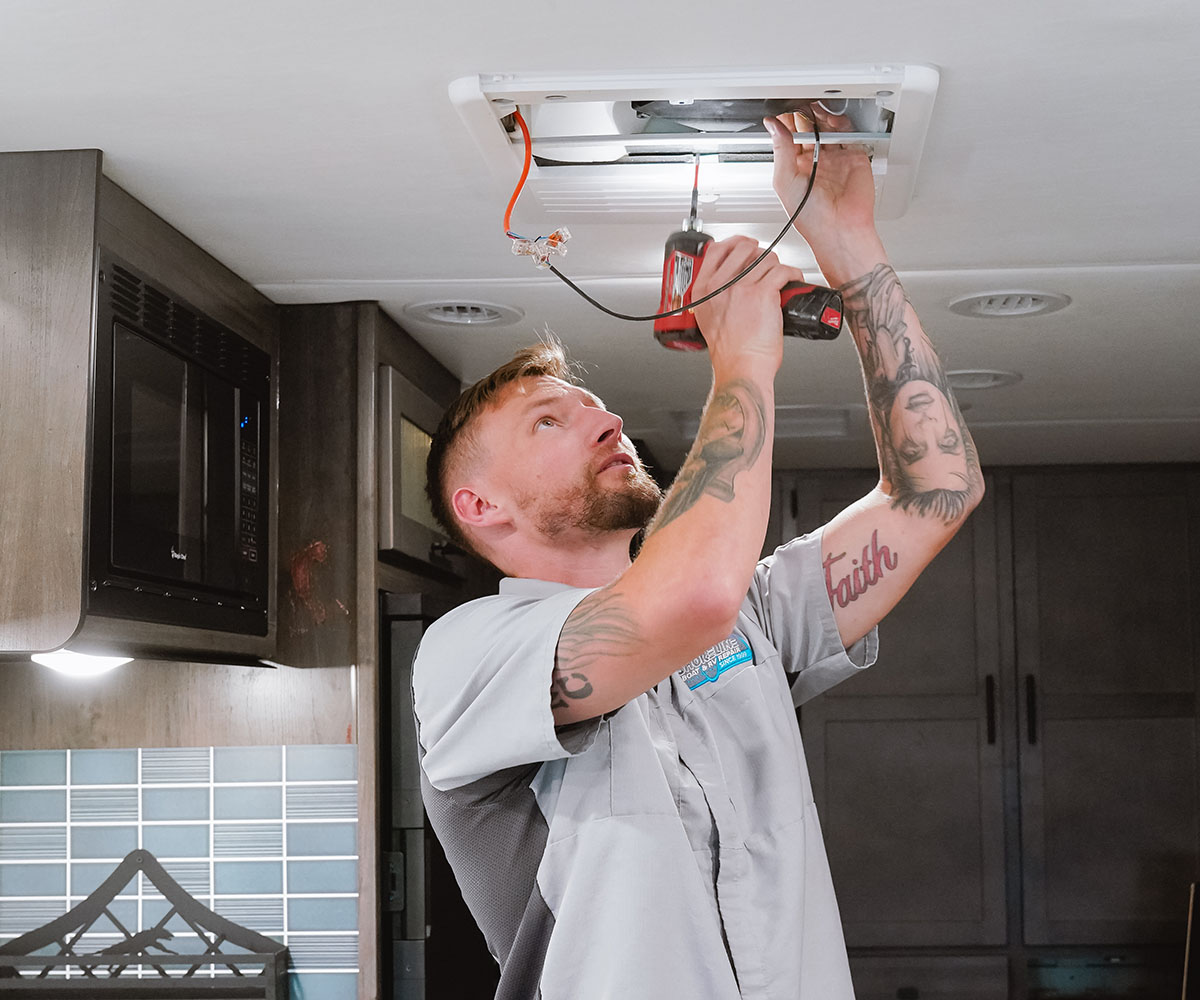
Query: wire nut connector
(543,248)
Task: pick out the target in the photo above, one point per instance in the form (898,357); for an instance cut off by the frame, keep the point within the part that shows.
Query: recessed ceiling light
(1009,304)
(463,313)
(981,378)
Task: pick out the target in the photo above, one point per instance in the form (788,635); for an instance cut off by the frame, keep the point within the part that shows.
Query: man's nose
(610,427)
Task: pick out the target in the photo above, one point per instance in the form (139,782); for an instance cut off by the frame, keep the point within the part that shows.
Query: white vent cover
(621,144)
(1010,304)
(981,378)
(462,313)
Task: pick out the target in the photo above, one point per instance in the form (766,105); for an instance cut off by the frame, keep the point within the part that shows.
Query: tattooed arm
(683,593)
(929,475)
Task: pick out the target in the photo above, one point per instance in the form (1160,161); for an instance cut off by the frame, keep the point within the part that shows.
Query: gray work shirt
(668,849)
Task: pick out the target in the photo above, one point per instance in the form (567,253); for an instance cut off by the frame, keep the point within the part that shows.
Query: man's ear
(476,511)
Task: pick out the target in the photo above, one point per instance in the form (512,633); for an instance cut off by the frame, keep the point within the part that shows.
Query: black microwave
(179,525)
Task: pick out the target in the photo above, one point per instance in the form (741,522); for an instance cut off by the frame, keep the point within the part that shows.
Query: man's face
(925,435)
(562,459)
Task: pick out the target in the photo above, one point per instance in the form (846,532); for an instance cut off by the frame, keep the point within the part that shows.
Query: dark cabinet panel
(905,758)
(1106,585)
(930,978)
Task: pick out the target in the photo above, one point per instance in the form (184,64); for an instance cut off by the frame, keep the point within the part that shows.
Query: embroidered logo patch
(715,660)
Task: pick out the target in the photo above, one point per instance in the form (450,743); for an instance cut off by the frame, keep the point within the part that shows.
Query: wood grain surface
(47,262)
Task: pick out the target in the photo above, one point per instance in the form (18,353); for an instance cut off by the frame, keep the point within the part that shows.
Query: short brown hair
(453,437)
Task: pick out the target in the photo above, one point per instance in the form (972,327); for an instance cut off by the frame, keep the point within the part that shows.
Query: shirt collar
(522,587)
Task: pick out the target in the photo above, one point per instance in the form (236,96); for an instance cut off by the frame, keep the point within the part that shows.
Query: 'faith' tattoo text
(864,572)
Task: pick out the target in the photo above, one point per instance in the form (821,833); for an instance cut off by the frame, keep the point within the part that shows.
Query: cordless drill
(809,311)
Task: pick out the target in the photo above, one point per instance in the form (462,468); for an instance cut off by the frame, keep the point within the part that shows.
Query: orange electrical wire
(524,173)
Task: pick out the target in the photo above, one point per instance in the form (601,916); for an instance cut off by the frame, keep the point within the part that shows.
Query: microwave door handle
(192,461)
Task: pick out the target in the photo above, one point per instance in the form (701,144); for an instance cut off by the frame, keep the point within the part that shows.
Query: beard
(596,510)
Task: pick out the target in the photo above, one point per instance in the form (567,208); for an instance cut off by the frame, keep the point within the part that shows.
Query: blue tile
(176,766)
(238,877)
(33,806)
(104,805)
(33,880)
(248,840)
(33,767)
(251,802)
(322,876)
(33,843)
(87,876)
(260,913)
(103,841)
(322,914)
(323,986)
(248,764)
(322,801)
(322,839)
(176,841)
(322,763)
(104,767)
(174,803)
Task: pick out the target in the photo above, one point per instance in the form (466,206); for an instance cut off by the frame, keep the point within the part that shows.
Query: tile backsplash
(264,836)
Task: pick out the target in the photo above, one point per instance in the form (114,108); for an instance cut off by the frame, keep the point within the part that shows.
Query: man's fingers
(830,121)
(726,259)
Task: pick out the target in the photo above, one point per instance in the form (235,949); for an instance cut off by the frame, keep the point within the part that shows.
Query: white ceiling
(312,147)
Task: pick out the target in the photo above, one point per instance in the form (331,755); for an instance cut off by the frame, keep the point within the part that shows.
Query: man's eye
(545,422)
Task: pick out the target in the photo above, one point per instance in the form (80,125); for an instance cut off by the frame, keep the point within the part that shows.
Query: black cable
(812,176)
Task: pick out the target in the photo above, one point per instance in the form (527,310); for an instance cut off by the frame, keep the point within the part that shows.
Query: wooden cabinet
(1107,614)
(1019,772)
(905,762)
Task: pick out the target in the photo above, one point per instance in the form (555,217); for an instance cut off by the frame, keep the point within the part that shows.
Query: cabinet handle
(1031,708)
(990,695)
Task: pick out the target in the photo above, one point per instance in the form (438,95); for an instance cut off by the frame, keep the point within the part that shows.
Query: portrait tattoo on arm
(600,626)
(925,451)
(732,435)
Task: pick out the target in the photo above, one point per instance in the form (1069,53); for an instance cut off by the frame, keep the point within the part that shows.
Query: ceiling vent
(981,378)
(791,422)
(464,313)
(622,145)
(1009,305)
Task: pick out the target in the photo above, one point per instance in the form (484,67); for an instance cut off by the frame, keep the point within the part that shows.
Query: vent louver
(621,144)
(464,313)
(1009,304)
(136,301)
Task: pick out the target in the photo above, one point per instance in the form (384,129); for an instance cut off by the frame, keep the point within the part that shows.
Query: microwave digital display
(179,519)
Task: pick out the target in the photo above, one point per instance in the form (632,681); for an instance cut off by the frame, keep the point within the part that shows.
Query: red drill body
(809,311)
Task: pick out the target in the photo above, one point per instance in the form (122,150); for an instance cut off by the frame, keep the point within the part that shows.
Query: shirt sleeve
(789,599)
(481,688)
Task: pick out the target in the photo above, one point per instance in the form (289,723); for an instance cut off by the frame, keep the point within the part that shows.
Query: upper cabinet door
(906,758)
(1107,572)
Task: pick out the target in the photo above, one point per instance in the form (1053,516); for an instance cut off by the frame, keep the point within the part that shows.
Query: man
(609,748)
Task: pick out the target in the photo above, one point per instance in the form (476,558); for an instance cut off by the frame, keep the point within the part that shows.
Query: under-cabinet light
(73,664)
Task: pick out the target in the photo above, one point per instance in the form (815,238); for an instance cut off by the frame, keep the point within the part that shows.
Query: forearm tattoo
(864,572)
(732,434)
(925,451)
(600,626)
